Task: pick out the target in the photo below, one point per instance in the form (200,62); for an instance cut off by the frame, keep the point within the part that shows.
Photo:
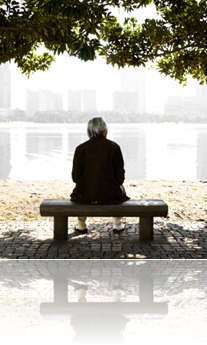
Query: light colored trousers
(81,224)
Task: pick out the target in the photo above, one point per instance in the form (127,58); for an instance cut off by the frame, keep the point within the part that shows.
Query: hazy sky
(70,73)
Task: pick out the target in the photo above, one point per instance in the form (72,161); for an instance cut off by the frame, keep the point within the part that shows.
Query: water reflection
(5,156)
(151,151)
(115,302)
(201,159)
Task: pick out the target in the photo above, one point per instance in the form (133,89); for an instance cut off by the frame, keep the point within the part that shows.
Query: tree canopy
(33,32)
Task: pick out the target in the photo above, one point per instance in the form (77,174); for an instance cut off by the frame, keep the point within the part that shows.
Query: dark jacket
(98,171)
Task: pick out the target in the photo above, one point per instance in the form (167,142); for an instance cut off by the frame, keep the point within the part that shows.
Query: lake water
(151,151)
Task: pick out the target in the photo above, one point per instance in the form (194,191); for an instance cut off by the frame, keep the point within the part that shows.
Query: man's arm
(77,165)
(119,166)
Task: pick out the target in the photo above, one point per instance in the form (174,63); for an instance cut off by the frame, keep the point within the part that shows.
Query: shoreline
(23,124)
(187,200)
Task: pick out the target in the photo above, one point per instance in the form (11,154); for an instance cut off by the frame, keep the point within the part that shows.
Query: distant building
(44,100)
(74,100)
(189,106)
(89,100)
(126,101)
(5,86)
(134,80)
(192,107)
(174,105)
(82,100)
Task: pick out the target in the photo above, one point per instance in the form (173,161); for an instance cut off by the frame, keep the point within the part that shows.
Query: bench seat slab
(130,208)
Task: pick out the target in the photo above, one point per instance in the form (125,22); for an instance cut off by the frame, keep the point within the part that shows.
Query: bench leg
(146,229)
(60,228)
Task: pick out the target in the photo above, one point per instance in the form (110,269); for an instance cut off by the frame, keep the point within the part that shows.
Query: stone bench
(145,209)
(131,310)
(98,301)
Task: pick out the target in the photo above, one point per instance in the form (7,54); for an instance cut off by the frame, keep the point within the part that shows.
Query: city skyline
(68,73)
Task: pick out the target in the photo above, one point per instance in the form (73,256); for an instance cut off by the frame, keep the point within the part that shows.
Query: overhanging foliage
(33,32)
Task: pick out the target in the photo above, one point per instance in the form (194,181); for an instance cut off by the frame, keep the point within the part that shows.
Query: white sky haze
(70,73)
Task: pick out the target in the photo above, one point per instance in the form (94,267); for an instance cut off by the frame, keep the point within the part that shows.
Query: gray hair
(96,127)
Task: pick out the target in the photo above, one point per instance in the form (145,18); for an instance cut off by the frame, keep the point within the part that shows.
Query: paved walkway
(34,240)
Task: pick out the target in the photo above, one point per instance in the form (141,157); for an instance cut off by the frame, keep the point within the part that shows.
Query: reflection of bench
(145,209)
(128,309)
(146,307)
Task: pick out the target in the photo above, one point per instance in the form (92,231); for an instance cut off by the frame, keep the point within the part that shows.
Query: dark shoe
(81,232)
(118,227)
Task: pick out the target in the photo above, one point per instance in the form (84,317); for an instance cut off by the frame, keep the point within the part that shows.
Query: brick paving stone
(34,240)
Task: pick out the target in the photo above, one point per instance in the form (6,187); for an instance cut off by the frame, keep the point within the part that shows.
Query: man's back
(98,171)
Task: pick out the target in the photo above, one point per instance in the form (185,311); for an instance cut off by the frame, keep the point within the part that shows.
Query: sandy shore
(187,200)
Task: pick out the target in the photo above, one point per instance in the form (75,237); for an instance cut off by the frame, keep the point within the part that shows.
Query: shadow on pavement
(171,240)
